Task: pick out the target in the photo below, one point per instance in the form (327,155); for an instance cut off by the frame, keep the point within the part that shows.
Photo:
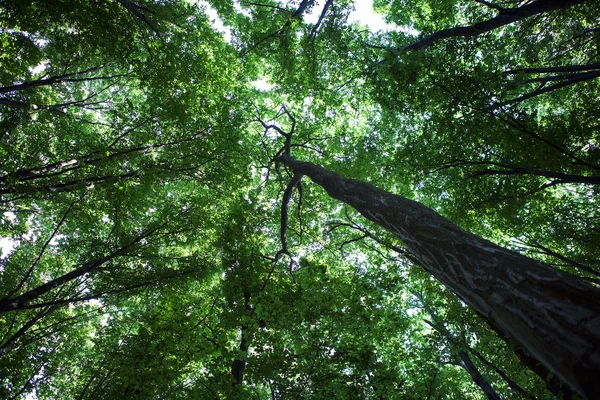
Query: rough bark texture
(506,16)
(553,315)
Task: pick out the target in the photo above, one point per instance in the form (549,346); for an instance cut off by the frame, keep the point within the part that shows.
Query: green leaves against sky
(141,204)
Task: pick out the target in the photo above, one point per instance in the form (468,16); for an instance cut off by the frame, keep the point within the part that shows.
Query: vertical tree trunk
(553,315)
(239,364)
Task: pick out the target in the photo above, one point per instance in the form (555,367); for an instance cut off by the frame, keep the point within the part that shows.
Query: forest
(270,199)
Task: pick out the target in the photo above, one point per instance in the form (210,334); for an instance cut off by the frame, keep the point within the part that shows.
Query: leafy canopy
(142,205)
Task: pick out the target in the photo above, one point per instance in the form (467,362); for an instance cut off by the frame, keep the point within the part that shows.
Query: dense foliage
(141,204)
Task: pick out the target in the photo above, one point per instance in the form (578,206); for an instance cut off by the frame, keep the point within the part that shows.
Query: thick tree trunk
(553,315)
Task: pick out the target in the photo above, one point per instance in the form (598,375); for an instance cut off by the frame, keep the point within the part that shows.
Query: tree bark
(554,385)
(553,315)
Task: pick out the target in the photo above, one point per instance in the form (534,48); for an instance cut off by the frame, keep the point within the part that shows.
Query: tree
(505,16)
(443,114)
(137,140)
(504,286)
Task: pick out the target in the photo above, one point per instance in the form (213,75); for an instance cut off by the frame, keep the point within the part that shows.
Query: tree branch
(504,17)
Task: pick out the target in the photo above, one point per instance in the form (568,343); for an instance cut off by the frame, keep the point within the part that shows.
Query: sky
(6,244)
(362,14)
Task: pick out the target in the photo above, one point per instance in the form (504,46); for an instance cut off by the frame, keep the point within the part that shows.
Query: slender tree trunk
(577,78)
(7,346)
(511,384)
(20,302)
(563,68)
(65,186)
(553,315)
(561,257)
(560,177)
(439,326)
(479,380)
(505,16)
(58,79)
(239,364)
(467,363)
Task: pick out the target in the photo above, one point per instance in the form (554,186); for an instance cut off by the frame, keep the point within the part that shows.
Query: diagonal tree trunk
(511,169)
(505,16)
(547,70)
(21,301)
(58,79)
(479,380)
(553,315)
(467,364)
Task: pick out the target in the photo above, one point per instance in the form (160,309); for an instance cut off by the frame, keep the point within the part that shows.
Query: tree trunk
(553,315)
(506,16)
(559,176)
(19,302)
(467,363)
(479,380)
(239,364)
